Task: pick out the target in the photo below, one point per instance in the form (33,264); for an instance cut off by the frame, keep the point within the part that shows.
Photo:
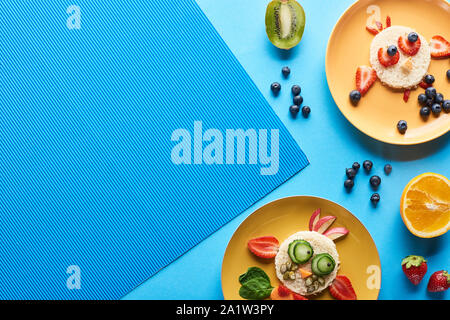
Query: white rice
(320,244)
(395,76)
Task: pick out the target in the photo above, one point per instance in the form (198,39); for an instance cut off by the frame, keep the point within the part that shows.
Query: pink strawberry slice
(365,78)
(264,247)
(440,48)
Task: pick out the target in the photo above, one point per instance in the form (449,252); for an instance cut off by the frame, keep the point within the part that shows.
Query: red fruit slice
(372,30)
(386,60)
(283,291)
(264,247)
(425,85)
(388,22)
(324,223)
(342,289)
(379,25)
(406,95)
(409,48)
(365,78)
(314,219)
(296,296)
(440,48)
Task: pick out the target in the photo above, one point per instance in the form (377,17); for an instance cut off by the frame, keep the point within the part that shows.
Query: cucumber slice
(322,264)
(303,251)
(291,251)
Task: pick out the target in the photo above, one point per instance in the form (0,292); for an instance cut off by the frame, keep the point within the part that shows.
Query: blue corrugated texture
(86,176)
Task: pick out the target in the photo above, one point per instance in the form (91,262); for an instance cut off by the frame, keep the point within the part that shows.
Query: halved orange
(425,205)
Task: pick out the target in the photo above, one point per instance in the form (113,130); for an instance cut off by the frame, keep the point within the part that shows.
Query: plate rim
(291,197)
(327,66)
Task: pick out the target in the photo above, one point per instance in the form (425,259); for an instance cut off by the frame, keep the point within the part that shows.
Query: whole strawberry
(415,268)
(439,281)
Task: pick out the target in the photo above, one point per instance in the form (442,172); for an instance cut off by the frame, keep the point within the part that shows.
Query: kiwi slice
(285,23)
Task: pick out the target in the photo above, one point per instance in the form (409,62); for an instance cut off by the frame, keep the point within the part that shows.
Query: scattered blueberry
(375,181)
(422,98)
(392,51)
(296,90)
(388,169)
(294,110)
(429,79)
(356,166)
(446,106)
(286,71)
(413,37)
(430,92)
(355,96)
(275,87)
(348,184)
(448,74)
(367,165)
(436,109)
(375,198)
(298,100)
(351,173)
(306,111)
(425,111)
(402,126)
(439,98)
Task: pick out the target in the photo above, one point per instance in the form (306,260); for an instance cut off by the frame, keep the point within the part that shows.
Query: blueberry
(429,103)
(425,111)
(294,110)
(402,126)
(375,181)
(375,198)
(351,173)
(367,165)
(356,166)
(439,98)
(355,96)
(430,92)
(306,111)
(296,90)
(429,79)
(446,106)
(286,71)
(413,37)
(436,109)
(448,74)
(422,98)
(388,169)
(392,51)
(348,184)
(275,87)
(298,100)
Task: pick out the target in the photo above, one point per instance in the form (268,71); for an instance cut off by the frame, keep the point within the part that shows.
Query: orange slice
(425,205)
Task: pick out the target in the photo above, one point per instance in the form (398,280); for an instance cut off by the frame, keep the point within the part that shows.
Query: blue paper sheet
(91,117)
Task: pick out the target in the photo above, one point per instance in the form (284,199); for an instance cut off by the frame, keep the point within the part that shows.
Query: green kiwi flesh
(285,23)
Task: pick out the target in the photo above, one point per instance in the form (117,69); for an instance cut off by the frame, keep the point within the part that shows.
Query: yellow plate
(281,218)
(381,108)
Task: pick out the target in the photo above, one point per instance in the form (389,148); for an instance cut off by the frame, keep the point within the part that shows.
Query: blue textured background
(331,143)
(86,119)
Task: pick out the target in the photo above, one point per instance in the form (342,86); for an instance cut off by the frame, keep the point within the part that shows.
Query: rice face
(320,244)
(397,76)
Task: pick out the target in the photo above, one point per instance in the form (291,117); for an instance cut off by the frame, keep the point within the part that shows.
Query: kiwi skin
(297,27)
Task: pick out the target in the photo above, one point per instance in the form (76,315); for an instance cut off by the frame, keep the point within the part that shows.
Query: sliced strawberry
(372,30)
(388,22)
(365,78)
(406,95)
(298,297)
(407,47)
(440,48)
(425,85)
(283,291)
(264,247)
(386,60)
(342,289)
(379,25)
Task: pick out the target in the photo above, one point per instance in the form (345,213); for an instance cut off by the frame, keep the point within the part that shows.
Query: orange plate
(381,108)
(357,251)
